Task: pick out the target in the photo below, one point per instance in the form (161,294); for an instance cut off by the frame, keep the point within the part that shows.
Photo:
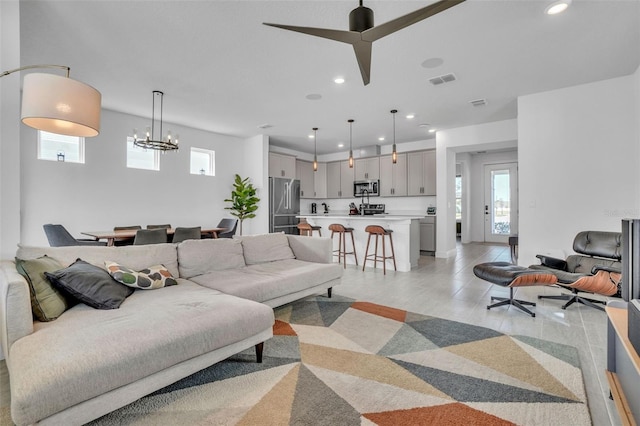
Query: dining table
(124,234)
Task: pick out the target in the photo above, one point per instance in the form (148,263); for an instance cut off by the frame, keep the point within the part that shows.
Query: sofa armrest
(311,249)
(552,262)
(16,319)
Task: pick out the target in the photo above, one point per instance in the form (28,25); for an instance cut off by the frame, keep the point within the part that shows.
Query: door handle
(286,195)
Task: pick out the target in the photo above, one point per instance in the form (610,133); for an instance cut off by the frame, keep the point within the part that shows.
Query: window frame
(156,156)
(78,140)
(212,161)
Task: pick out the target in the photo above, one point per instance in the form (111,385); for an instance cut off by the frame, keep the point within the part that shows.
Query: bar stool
(342,242)
(379,231)
(307,229)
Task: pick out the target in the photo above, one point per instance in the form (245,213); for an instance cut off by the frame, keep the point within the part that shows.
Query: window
(458,197)
(203,162)
(54,147)
(141,158)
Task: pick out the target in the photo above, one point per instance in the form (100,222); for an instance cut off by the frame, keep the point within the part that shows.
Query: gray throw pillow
(91,285)
(47,303)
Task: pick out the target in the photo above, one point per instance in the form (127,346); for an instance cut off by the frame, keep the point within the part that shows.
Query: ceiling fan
(362,32)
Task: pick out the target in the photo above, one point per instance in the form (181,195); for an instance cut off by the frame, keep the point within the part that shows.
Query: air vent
(265,126)
(441,79)
(478,102)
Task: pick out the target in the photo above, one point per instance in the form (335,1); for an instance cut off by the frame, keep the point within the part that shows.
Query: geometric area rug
(343,362)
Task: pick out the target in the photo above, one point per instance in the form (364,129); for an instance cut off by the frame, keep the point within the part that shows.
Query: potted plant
(243,200)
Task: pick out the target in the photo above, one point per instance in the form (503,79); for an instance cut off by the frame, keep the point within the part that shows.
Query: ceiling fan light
(557,7)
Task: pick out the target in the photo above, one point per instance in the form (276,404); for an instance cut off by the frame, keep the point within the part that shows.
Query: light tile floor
(448,289)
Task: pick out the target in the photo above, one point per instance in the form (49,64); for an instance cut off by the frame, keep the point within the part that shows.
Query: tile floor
(448,289)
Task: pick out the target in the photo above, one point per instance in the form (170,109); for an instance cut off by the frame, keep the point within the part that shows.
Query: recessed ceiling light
(432,63)
(339,80)
(314,96)
(340,145)
(311,136)
(410,116)
(557,7)
(381,138)
(432,130)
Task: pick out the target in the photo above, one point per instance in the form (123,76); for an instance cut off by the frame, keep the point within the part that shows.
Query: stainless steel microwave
(366,187)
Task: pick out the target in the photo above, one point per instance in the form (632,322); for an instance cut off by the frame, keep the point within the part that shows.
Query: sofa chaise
(89,362)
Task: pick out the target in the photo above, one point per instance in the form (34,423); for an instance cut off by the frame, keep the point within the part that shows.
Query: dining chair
(124,241)
(58,236)
(182,234)
(150,236)
(165,226)
(230,225)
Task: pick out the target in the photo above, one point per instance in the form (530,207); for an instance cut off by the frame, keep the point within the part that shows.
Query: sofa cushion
(266,248)
(150,278)
(47,303)
(90,285)
(271,280)
(135,257)
(91,352)
(197,257)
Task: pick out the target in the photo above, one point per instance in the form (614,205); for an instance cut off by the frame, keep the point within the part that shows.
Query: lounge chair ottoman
(506,274)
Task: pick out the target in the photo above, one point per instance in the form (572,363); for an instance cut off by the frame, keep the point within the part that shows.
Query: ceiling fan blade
(379,31)
(363,55)
(337,35)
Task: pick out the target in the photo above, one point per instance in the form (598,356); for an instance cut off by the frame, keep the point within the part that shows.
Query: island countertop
(406,234)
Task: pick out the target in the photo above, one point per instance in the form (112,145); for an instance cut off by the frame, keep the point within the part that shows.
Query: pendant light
(150,141)
(350,147)
(394,152)
(315,149)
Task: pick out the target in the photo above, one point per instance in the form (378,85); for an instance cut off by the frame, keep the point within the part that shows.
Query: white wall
(579,151)
(256,167)
(9,128)
(103,192)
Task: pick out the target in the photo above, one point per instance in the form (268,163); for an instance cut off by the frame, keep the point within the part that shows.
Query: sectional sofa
(88,362)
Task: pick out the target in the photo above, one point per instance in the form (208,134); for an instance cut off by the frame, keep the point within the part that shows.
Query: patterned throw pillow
(147,279)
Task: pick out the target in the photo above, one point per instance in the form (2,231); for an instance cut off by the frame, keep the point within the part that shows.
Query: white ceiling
(222,70)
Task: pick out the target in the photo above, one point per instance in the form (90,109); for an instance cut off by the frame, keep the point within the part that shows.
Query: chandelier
(150,142)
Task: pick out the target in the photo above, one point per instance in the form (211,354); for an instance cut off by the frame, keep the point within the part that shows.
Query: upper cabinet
(421,173)
(393,177)
(339,180)
(281,165)
(367,168)
(320,180)
(312,184)
(304,172)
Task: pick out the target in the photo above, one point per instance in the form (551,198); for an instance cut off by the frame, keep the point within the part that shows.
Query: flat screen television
(630,259)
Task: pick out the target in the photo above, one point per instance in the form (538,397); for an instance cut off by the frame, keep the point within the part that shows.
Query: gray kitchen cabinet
(367,168)
(304,172)
(320,180)
(421,173)
(281,165)
(393,177)
(428,234)
(339,180)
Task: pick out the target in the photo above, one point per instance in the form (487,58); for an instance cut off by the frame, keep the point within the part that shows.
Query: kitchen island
(406,236)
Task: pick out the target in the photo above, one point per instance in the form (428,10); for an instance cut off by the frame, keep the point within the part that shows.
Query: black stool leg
(511,301)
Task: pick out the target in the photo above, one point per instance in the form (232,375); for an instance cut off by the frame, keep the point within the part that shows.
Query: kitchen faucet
(326,208)
(368,199)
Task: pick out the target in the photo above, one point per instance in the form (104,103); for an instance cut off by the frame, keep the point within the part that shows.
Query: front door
(501,202)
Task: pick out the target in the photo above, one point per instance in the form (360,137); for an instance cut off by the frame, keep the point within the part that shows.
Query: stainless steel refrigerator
(284,205)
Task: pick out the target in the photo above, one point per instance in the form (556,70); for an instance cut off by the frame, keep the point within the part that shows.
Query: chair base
(573,298)
(503,301)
